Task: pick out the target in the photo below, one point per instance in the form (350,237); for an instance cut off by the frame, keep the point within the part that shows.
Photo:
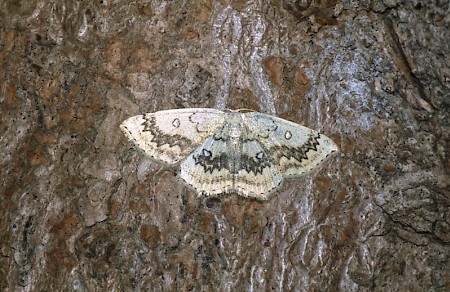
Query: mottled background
(82,210)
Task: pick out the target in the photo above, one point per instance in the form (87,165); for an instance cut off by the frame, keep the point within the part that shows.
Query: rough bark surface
(80,209)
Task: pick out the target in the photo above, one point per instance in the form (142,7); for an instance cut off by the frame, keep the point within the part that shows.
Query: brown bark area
(81,209)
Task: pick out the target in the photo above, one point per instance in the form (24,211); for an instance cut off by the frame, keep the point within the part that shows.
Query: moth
(240,151)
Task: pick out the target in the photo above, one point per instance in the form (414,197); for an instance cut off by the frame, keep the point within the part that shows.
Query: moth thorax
(235,132)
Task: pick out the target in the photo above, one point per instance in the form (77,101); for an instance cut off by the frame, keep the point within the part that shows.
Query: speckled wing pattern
(246,152)
(171,135)
(294,148)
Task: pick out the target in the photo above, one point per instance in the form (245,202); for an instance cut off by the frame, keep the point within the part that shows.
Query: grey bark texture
(82,210)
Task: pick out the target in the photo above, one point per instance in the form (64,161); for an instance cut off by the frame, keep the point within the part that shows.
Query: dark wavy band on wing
(159,138)
(233,165)
(299,153)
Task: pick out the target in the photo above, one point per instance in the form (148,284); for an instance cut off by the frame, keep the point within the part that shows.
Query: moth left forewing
(171,135)
(293,148)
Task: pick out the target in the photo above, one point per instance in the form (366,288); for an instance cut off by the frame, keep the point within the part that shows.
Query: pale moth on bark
(241,151)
